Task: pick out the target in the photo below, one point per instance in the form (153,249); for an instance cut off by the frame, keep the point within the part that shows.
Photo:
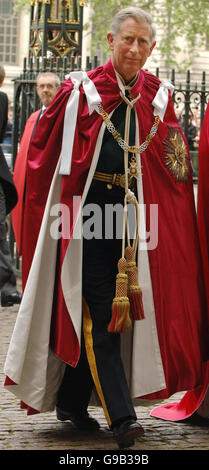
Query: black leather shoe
(82,421)
(125,433)
(198,420)
(7,300)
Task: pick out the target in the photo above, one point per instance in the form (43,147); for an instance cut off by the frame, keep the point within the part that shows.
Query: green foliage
(187,20)
(174,19)
(19,4)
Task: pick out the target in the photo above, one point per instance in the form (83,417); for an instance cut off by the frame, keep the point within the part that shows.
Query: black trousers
(100,361)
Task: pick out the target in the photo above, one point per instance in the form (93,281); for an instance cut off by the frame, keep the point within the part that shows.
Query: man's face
(46,89)
(131,47)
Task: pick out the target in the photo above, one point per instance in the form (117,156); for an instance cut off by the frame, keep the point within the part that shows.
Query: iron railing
(189,97)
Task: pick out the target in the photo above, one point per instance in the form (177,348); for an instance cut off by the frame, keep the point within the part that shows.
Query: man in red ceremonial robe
(196,402)
(48,84)
(110,138)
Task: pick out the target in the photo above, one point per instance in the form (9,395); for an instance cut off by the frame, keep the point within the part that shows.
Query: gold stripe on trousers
(87,331)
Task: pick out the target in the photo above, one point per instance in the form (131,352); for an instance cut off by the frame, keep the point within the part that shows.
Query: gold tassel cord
(134,289)
(128,297)
(120,321)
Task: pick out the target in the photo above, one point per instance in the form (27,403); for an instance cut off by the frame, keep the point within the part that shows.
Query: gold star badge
(176,156)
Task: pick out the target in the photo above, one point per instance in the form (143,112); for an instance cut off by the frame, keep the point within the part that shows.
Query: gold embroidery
(176,158)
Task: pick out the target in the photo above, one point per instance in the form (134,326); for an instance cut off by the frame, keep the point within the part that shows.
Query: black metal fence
(190,97)
(190,100)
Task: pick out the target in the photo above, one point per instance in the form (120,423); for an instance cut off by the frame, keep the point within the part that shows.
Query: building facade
(14,34)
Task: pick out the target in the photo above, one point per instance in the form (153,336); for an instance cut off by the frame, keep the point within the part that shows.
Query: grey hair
(51,74)
(132,12)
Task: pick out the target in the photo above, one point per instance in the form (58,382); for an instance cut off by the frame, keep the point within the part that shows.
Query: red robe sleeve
(203,197)
(192,400)
(19,178)
(43,156)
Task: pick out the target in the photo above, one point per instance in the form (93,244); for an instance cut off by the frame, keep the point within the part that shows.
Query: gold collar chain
(121,142)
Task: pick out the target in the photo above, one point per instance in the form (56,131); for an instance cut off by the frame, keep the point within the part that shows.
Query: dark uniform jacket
(5,175)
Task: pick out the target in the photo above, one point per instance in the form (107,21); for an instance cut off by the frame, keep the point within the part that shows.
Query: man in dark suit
(8,199)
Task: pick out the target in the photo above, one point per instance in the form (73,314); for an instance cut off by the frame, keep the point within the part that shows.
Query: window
(9,23)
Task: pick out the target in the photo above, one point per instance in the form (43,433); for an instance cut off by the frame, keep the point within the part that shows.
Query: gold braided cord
(117,136)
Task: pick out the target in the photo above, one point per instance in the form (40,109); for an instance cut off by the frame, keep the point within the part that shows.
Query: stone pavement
(44,432)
